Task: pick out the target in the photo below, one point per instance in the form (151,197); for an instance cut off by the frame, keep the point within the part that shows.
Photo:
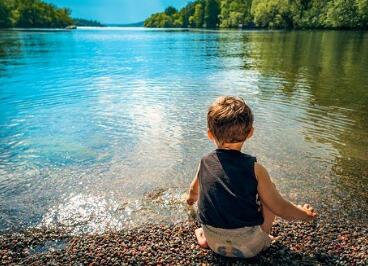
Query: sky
(116,11)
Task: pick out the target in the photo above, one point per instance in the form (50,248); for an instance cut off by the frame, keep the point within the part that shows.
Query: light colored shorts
(243,242)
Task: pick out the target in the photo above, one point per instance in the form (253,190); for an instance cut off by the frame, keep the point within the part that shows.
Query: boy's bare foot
(201,238)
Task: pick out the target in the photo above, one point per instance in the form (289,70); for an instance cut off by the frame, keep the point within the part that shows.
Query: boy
(237,201)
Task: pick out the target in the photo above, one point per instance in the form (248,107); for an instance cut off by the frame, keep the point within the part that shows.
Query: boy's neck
(231,146)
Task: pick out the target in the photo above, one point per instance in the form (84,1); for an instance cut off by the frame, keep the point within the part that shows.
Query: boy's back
(228,190)
(227,185)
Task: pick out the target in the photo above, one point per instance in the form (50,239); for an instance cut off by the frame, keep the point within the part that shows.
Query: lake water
(104,128)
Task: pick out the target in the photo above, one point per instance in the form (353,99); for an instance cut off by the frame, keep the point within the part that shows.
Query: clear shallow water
(104,128)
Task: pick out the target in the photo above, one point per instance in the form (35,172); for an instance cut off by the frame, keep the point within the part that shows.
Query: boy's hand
(193,190)
(309,211)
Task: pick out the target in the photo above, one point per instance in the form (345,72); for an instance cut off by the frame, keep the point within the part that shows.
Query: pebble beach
(323,242)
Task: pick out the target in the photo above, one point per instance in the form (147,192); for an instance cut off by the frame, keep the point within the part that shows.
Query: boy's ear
(210,135)
(250,134)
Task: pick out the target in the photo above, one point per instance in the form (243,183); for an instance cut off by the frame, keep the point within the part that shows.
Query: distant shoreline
(177,29)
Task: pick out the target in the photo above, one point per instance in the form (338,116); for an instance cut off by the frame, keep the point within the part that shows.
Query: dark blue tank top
(228,195)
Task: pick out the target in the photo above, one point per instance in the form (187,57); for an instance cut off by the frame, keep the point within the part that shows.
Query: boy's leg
(201,238)
(268,217)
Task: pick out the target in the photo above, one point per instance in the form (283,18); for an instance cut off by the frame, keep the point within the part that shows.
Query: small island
(275,14)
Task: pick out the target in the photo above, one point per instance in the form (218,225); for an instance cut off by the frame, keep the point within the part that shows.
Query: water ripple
(93,120)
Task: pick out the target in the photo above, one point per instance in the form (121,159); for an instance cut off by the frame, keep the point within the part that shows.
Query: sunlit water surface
(104,128)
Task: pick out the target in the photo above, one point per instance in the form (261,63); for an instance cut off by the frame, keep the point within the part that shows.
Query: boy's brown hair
(229,119)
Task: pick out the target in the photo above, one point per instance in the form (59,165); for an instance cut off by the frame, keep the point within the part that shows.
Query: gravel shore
(317,243)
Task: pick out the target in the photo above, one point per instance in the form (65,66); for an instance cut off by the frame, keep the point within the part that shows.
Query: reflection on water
(87,213)
(93,121)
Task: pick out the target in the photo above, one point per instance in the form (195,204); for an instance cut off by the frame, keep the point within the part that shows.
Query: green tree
(362,6)
(196,21)
(165,21)
(272,13)
(235,13)
(308,13)
(177,20)
(342,14)
(186,12)
(211,13)
(159,20)
(32,13)
(5,15)
(170,11)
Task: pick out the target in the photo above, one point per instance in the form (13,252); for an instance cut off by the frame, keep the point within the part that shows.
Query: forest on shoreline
(33,13)
(37,14)
(287,14)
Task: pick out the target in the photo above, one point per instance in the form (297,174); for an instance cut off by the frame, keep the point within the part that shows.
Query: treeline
(86,22)
(32,13)
(298,14)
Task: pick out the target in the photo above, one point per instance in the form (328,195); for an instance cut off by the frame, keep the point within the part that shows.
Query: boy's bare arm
(193,190)
(276,203)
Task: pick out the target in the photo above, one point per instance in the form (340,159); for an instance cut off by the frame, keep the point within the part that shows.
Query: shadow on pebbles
(315,243)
